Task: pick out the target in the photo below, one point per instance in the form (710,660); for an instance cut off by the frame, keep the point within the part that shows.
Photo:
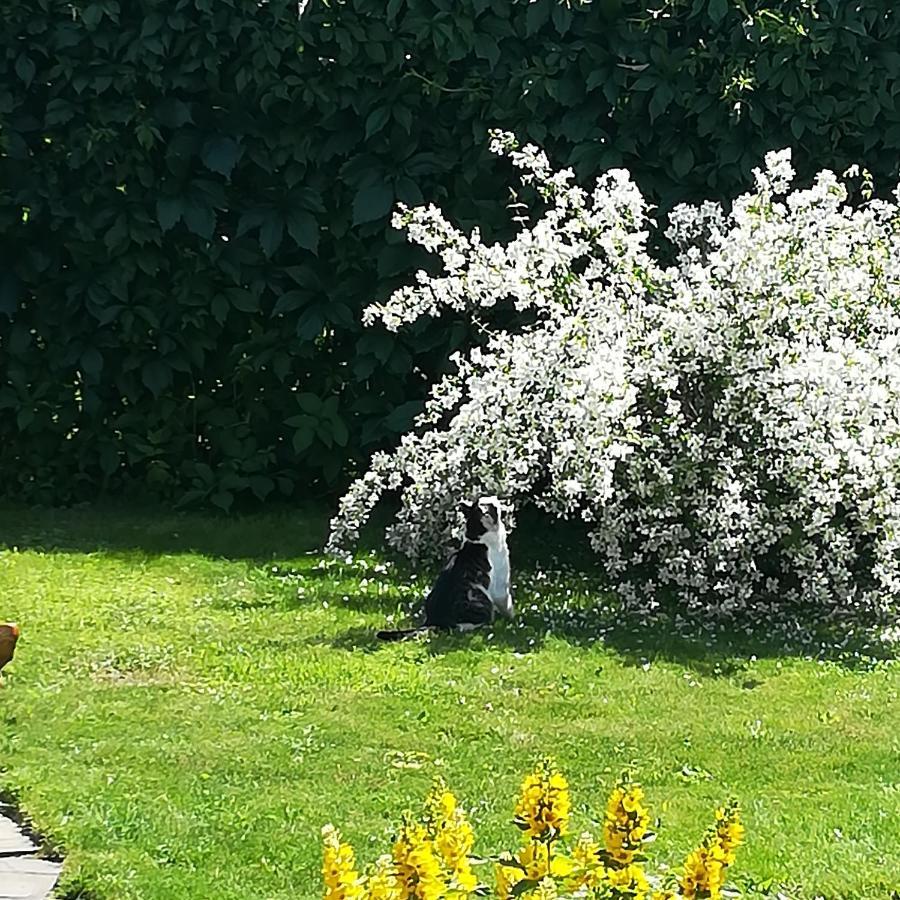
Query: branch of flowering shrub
(432,857)
(728,425)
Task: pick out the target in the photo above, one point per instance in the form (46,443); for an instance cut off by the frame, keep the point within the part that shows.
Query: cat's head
(483,517)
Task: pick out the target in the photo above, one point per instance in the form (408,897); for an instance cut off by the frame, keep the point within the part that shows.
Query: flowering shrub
(432,858)
(728,425)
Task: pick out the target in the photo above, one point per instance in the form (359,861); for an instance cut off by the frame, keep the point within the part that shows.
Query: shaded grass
(194,697)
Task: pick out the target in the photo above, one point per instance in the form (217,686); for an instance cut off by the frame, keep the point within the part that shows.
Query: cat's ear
(470,511)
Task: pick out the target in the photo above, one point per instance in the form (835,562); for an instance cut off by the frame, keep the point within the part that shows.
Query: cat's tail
(402,634)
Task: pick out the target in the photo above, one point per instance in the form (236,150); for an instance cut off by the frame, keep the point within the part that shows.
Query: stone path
(23,876)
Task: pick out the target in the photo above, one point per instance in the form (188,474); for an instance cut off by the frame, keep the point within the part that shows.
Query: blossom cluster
(432,857)
(728,425)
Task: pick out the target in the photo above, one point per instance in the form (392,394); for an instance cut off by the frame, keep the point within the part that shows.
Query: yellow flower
(729,830)
(704,871)
(382,883)
(542,810)
(587,869)
(535,860)
(546,890)
(418,867)
(452,835)
(626,823)
(342,881)
(628,881)
(538,862)
(506,878)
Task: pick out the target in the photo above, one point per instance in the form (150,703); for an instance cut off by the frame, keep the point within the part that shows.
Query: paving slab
(23,876)
(27,878)
(12,841)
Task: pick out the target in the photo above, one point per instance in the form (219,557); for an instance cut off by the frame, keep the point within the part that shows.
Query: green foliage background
(195,195)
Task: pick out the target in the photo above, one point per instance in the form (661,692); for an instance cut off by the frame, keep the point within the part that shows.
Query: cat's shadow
(710,653)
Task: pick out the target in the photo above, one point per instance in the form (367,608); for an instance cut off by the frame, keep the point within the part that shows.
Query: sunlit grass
(192,698)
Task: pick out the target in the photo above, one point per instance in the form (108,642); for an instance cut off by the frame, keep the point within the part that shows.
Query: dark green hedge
(194,199)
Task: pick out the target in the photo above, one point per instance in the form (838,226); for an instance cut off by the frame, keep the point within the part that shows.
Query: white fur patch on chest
(498,561)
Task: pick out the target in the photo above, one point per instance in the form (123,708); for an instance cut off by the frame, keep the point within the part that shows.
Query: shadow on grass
(281,533)
(560,593)
(595,619)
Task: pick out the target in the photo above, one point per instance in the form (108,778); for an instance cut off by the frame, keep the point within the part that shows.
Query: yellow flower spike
(506,878)
(704,871)
(587,869)
(453,838)
(342,881)
(729,829)
(431,859)
(543,807)
(535,860)
(546,890)
(382,883)
(418,867)
(628,881)
(626,823)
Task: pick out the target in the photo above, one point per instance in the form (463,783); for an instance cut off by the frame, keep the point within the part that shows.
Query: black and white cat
(473,586)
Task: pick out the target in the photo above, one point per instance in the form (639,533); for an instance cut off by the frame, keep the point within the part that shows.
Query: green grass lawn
(192,698)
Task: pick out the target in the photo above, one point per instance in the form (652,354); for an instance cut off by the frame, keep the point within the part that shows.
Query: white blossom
(729,425)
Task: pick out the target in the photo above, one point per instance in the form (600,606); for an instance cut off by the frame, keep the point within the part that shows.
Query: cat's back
(472,564)
(467,569)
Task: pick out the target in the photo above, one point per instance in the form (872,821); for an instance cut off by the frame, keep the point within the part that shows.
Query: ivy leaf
(537,16)
(200,218)
(221,154)
(339,432)
(408,192)
(372,203)
(168,211)
(10,290)
(303,438)
(58,112)
(261,486)
(309,403)
(683,161)
(562,18)
(486,48)
(174,113)
(91,363)
(310,323)
(243,300)
(376,120)
(91,15)
(660,100)
(109,458)
(289,301)
(25,69)
(117,234)
(717,9)
(222,499)
(400,418)
(304,229)
(156,375)
(249,220)
(271,233)
(220,307)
